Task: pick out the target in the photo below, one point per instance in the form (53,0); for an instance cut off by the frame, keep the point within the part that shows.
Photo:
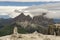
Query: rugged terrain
(26,24)
(33,36)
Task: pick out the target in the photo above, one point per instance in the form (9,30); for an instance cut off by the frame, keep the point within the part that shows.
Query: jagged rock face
(23,18)
(37,19)
(40,20)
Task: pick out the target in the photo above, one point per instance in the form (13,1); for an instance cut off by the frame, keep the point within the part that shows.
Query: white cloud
(54,15)
(9,10)
(52,10)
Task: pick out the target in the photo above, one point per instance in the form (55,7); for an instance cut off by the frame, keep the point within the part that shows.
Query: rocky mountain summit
(40,19)
(23,18)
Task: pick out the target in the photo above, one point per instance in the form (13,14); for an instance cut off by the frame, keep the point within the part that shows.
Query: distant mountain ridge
(36,19)
(40,20)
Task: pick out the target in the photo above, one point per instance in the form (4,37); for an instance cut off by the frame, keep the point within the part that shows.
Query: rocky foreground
(33,36)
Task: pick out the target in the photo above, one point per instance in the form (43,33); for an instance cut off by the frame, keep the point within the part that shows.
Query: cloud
(9,10)
(30,0)
(54,15)
(49,14)
(52,10)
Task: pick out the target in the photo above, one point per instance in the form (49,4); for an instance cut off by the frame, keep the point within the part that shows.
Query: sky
(29,0)
(6,9)
(52,10)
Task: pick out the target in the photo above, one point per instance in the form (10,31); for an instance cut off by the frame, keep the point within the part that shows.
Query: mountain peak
(28,15)
(22,14)
(23,17)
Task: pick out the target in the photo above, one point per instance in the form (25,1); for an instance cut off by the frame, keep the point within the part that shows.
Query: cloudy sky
(54,9)
(29,0)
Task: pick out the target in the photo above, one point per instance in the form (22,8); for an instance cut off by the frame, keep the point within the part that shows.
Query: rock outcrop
(22,18)
(40,19)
